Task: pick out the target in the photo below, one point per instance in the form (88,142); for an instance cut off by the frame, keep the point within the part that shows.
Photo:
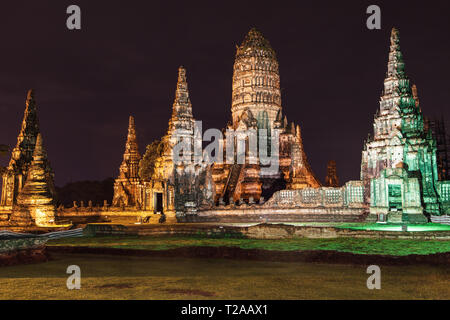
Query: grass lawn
(115,277)
(394,227)
(363,226)
(396,247)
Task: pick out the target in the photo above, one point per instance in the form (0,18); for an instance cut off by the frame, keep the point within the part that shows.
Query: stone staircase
(232,181)
(445,219)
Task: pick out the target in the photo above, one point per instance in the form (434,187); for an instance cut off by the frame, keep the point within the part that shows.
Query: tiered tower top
(36,200)
(38,165)
(399,108)
(255,44)
(396,66)
(256,81)
(130,165)
(182,106)
(398,124)
(182,118)
(22,154)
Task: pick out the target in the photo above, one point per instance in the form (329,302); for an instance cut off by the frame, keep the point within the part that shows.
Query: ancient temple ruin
(36,204)
(16,173)
(178,177)
(127,185)
(197,190)
(399,175)
(256,106)
(264,174)
(331,179)
(295,167)
(399,167)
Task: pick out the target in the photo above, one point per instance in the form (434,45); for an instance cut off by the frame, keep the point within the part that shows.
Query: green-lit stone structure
(399,168)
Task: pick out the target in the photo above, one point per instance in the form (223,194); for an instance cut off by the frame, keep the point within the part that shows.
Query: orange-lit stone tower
(16,173)
(36,203)
(159,193)
(300,173)
(126,186)
(256,105)
(331,179)
(256,81)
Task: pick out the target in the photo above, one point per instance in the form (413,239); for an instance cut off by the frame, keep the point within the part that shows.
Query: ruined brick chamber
(22,250)
(325,204)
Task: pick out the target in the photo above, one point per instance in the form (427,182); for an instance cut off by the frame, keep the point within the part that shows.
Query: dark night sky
(124,61)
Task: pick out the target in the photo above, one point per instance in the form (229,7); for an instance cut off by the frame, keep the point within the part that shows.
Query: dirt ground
(145,277)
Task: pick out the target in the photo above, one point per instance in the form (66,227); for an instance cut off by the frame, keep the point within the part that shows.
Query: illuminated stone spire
(255,44)
(35,202)
(129,169)
(395,71)
(399,148)
(331,179)
(182,106)
(22,154)
(301,175)
(126,185)
(181,124)
(396,66)
(256,81)
(300,159)
(399,106)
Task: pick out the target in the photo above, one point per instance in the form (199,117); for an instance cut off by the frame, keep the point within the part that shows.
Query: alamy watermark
(74,280)
(73,21)
(374,20)
(251,146)
(374,281)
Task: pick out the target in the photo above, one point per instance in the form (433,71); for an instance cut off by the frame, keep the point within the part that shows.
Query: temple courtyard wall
(267,214)
(256,231)
(235,214)
(242,213)
(325,204)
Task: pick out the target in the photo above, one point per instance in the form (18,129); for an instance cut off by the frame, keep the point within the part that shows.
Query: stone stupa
(35,203)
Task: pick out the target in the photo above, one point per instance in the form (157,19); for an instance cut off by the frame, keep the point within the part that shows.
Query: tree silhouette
(147,163)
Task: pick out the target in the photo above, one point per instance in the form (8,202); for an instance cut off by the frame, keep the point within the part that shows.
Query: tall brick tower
(36,203)
(331,179)
(398,165)
(159,192)
(256,81)
(256,105)
(22,156)
(126,188)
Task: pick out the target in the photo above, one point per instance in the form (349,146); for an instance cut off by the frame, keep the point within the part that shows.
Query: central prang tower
(256,81)
(255,106)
